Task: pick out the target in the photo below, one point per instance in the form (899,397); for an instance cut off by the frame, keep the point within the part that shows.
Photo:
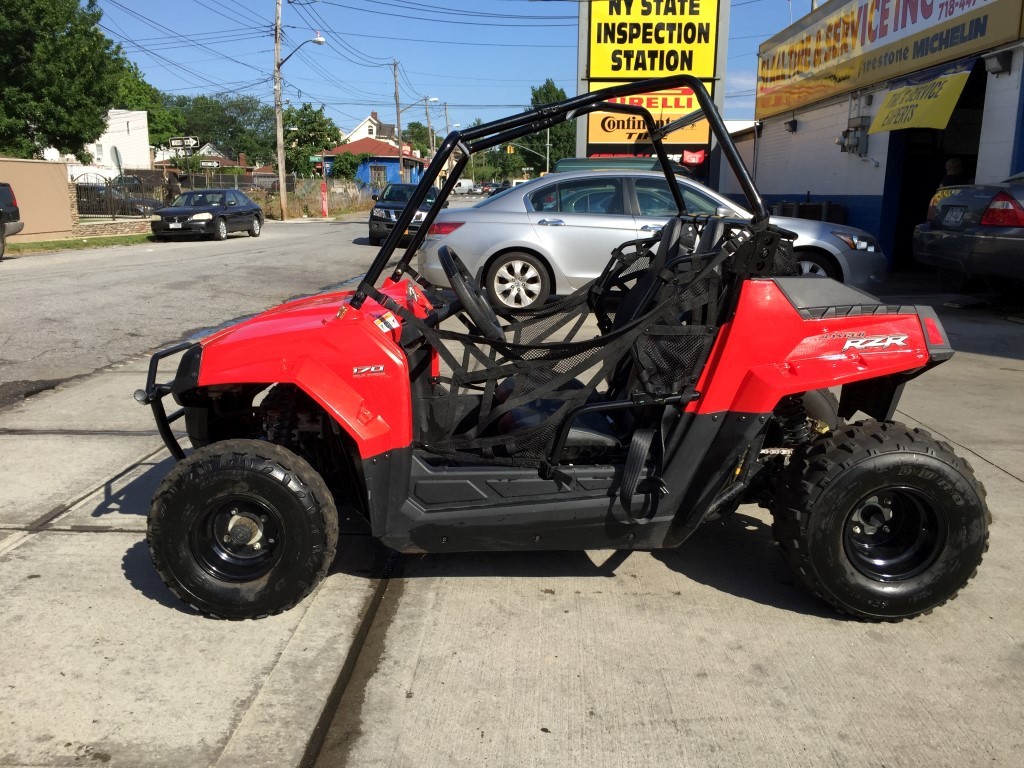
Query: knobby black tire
(230,473)
(817,513)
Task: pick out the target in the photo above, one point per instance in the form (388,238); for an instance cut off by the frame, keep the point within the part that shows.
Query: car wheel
(220,231)
(242,529)
(517,281)
(882,521)
(3,243)
(256,228)
(374,241)
(817,265)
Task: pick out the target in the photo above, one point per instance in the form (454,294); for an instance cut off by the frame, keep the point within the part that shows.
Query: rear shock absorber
(792,418)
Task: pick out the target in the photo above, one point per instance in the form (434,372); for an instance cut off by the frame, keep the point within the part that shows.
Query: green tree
(418,136)
(308,132)
(232,123)
(346,165)
(60,75)
(563,135)
(133,92)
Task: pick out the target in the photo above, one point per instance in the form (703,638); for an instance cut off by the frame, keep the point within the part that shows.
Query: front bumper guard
(154,394)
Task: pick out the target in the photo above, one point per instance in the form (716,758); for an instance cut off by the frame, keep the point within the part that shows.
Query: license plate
(953,215)
(174,225)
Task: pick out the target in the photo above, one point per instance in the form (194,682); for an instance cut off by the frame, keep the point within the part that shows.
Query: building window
(378,176)
(369,130)
(99,153)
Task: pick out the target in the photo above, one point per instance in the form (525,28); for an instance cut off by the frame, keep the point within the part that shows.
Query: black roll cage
(488,135)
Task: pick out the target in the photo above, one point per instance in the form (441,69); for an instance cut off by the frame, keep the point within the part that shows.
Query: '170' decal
(875,342)
(368,370)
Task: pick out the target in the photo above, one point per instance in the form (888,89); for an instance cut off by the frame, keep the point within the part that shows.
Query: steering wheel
(470,294)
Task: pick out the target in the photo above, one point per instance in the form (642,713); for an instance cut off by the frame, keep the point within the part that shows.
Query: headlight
(379,213)
(155,217)
(858,242)
(205,216)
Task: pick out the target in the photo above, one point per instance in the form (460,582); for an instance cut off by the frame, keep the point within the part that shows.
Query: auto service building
(861,102)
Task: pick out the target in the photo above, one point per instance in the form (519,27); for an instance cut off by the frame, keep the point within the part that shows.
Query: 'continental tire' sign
(664,106)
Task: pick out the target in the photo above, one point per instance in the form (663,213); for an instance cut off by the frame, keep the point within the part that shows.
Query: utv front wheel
(882,521)
(242,529)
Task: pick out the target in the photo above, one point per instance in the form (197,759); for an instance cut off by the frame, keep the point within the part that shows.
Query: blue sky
(479,56)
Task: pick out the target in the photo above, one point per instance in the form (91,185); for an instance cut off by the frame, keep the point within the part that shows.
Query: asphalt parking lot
(709,655)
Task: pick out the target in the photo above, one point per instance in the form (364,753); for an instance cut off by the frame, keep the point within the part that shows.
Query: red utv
(692,376)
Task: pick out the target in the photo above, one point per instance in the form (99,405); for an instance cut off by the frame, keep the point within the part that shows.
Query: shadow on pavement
(738,556)
(131,492)
(141,574)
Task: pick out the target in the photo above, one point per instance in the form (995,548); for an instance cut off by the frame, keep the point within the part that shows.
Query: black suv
(10,216)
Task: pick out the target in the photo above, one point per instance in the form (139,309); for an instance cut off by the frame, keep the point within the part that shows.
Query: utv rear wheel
(242,529)
(882,521)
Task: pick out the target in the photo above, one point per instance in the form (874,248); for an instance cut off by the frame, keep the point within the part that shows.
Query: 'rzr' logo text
(875,342)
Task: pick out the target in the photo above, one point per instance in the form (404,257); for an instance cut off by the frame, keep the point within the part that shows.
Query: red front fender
(350,364)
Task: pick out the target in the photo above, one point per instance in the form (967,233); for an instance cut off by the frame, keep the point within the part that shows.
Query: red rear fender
(775,347)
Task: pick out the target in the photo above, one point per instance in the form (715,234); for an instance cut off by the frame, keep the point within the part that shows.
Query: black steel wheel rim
(238,539)
(894,534)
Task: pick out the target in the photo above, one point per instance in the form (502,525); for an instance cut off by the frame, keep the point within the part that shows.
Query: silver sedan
(554,234)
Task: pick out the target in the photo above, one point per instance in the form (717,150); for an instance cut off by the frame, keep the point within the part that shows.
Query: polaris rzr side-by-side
(696,373)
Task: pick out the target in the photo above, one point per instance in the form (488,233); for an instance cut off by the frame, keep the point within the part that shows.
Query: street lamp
(278,62)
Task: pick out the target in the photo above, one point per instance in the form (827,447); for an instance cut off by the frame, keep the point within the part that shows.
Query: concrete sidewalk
(100,663)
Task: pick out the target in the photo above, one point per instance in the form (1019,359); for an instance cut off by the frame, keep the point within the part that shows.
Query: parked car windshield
(198,199)
(402,193)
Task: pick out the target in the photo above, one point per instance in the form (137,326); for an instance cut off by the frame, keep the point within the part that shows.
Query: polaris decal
(875,342)
(387,322)
(368,370)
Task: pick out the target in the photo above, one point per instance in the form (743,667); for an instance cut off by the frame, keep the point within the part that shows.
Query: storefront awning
(925,100)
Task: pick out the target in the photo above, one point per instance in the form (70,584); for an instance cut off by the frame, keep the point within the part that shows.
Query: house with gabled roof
(372,128)
(383,165)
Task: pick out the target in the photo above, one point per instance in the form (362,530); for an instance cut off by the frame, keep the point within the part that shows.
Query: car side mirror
(232,202)
(373,197)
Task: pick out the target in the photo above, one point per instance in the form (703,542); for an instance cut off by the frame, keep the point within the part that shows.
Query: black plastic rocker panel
(420,506)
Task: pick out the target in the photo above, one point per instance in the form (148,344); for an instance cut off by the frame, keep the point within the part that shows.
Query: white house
(128,131)
(372,128)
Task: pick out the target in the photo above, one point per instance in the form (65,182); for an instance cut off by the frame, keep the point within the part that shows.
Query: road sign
(209,164)
(183,141)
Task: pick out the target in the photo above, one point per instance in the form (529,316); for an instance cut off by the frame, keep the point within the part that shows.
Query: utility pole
(430,131)
(447,124)
(279,124)
(398,120)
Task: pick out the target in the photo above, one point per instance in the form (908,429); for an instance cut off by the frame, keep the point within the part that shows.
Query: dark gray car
(388,206)
(975,230)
